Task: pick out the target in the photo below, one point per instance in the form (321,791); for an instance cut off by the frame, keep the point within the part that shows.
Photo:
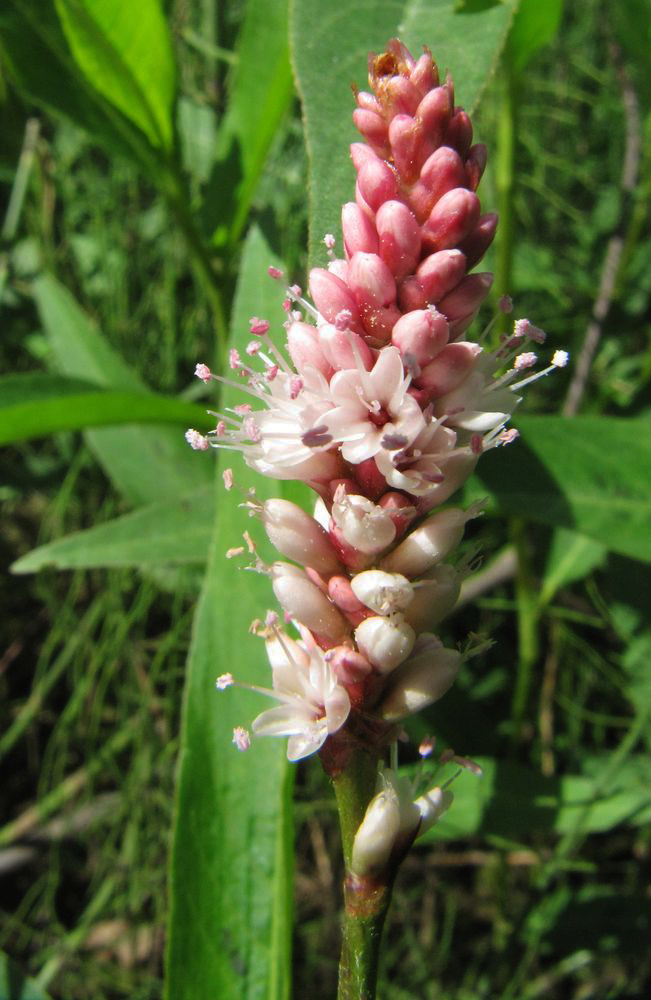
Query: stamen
(224,681)
(241,738)
(203,372)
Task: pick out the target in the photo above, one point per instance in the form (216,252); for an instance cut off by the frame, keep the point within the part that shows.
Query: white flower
(418,467)
(313,705)
(363,525)
(373,410)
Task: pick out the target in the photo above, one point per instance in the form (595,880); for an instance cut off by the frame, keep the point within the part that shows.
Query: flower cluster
(383,407)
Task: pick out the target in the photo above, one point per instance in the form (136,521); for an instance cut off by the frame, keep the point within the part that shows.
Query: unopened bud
(421,680)
(298,536)
(303,600)
(305,350)
(363,525)
(399,235)
(422,334)
(389,824)
(431,806)
(428,544)
(385,642)
(434,597)
(383,592)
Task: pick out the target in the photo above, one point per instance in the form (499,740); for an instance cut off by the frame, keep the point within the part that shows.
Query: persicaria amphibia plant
(383,405)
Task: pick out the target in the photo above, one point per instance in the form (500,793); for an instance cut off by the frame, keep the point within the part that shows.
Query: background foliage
(154,163)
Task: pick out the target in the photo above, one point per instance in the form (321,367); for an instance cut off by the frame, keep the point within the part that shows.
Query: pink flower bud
(425,75)
(439,273)
(466,297)
(304,349)
(400,510)
(360,154)
(426,676)
(422,334)
(348,666)
(385,642)
(478,241)
(373,127)
(429,544)
(449,368)
(374,288)
(342,594)
(337,346)
(459,132)
(331,295)
(303,600)
(298,536)
(372,482)
(443,171)
(434,597)
(367,102)
(451,219)
(376,182)
(399,237)
(359,232)
(409,146)
(434,114)
(476,164)
(411,294)
(400,96)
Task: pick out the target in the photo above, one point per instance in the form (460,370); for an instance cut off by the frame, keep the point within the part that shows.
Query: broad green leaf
(534,26)
(511,800)
(124,50)
(36,53)
(589,474)
(174,532)
(15,985)
(146,464)
(330,44)
(571,557)
(38,404)
(230,923)
(259,94)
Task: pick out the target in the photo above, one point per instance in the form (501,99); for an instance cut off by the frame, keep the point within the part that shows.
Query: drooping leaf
(230,924)
(329,51)
(124,50)
(590,474)
(146,464)
(37,404)
(41,65)
(173,532)
(259,95)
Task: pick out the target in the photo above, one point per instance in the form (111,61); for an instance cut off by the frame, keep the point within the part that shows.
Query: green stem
(528,622)
(366,900)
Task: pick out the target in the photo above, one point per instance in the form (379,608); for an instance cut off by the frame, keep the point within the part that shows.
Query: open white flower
(373,410)
(313,704)
(417,467)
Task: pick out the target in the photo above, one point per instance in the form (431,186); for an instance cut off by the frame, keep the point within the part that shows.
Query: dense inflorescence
(383,408)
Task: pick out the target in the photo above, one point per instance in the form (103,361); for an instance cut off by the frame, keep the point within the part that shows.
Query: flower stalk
(383,406)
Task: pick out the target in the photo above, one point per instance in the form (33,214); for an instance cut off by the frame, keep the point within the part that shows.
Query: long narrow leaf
(230,922)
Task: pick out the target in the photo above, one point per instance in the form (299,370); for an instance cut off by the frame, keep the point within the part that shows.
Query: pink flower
(373,409)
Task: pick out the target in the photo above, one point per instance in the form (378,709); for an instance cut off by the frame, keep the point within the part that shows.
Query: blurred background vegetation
(541,888)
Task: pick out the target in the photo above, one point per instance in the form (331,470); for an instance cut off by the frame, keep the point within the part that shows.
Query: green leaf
(571,557)
(146,464)
(589,474)
(36,53)
(230,923)
(330,44)
(15,985)
(37,404)
(259,94)
(513,801)
(124,50)
(534,26)
(174,532)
